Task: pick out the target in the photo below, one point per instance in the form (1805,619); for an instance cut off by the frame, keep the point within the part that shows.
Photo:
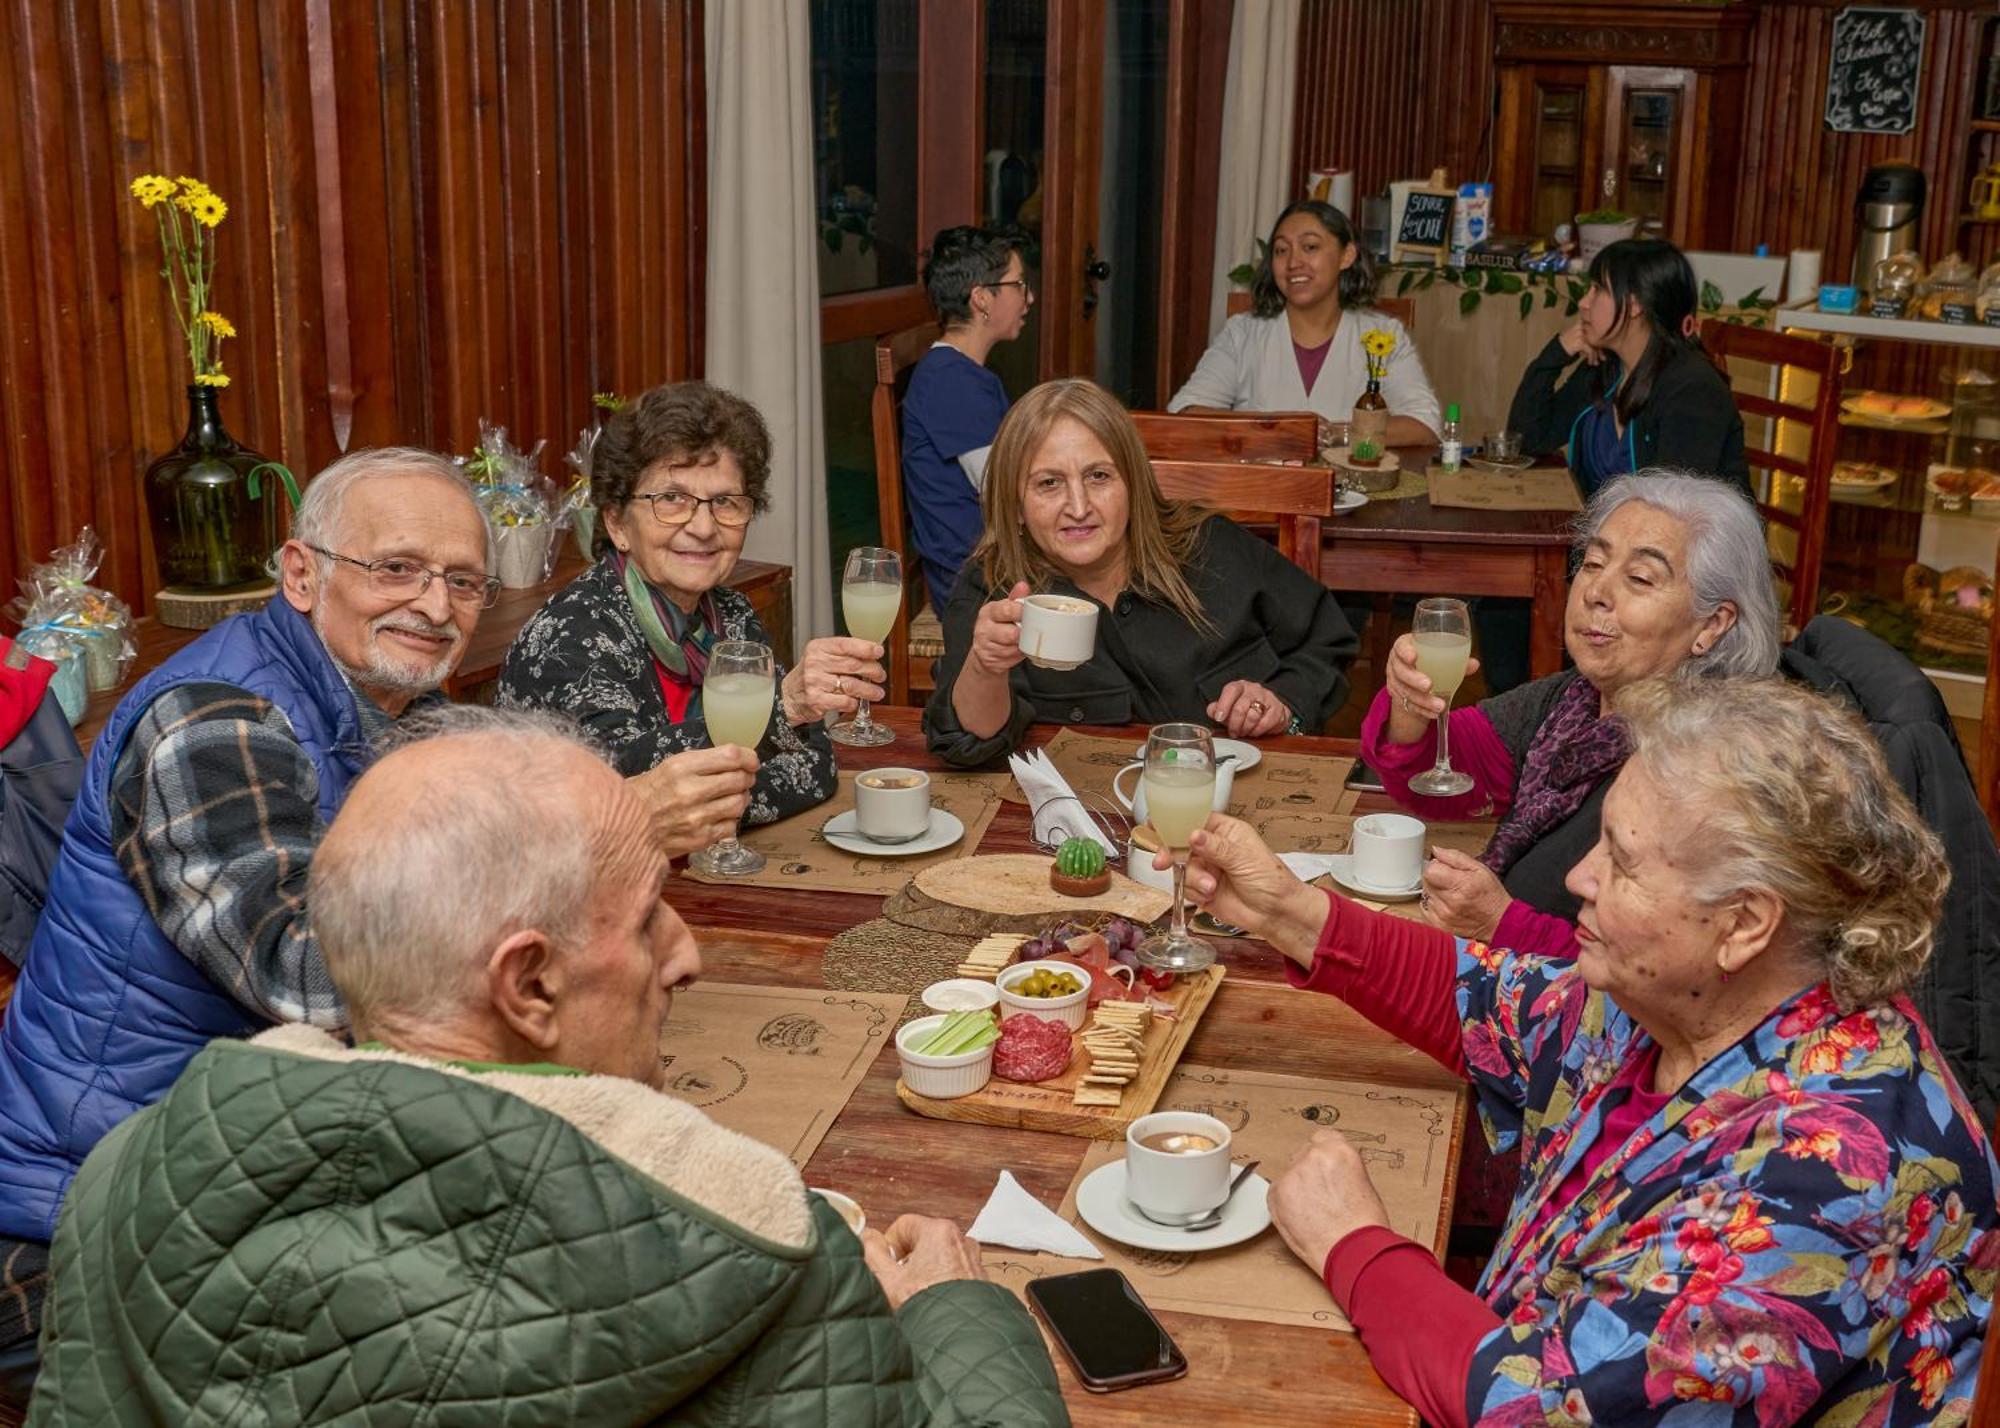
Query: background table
(896,1162)
(1410,547)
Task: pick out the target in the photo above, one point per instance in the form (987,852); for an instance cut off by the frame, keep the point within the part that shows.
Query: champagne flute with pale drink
(737,691)
(1179,780)
(1443,637)
(871,592)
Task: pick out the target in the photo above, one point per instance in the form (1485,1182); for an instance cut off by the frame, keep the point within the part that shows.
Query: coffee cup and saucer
(892,817)
(1058,631)
(1385,858)
(1176,1168)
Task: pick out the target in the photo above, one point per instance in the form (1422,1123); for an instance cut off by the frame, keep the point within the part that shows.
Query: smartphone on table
(1364,779)
(1105,1330)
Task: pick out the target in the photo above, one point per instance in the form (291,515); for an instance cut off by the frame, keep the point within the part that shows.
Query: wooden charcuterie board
(1017,884)
(1046,1105)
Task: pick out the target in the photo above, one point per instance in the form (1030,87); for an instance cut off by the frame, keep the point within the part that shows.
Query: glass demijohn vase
(213,504)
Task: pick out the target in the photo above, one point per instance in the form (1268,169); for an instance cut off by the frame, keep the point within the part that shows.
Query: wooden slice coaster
(188,609)
(1017,884)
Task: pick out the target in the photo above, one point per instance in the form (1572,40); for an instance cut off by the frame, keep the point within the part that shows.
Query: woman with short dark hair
(1299,348)
(1648,394)
(678,475)
(977,282)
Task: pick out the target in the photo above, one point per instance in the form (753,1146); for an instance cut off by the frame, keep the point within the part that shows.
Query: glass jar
(1896,279)
(1987,304)
(1951,284)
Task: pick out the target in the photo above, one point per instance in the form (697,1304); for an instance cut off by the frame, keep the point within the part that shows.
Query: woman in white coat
(1299,346)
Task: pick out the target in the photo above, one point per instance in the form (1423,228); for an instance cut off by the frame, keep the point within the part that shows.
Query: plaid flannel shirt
(215,816)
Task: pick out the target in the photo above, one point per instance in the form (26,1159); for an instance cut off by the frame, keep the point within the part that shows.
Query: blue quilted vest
(108,1011)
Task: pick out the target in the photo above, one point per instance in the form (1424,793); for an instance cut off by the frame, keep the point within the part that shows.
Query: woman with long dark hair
(1299,347)
(1647,395)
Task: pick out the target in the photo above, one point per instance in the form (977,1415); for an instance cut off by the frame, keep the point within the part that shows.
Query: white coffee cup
(1135,803)
(892,805)
(1058,631)
(1173,1186)
(1388,851)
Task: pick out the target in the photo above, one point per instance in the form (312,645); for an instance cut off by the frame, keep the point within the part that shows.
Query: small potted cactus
(1365,452)
(1079,869)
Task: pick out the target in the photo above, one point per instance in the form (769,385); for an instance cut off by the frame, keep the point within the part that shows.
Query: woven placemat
(884,956)
(1408,483)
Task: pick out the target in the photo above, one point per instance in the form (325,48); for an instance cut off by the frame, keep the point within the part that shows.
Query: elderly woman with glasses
(1752,1191)
(679,473)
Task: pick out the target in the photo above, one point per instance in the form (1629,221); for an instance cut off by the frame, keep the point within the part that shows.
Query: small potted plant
(1602,226)
(1365,452)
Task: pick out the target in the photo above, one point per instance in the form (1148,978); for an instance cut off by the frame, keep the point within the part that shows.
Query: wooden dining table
(1410,547)
(894,1161)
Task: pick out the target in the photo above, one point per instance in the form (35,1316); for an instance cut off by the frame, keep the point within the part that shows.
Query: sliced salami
(1031,1049)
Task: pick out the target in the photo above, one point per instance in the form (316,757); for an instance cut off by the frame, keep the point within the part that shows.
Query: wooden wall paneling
(546,403)
(1074,102)
(1197,69)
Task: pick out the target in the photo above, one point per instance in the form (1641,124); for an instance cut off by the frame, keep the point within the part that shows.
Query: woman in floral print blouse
(677,476)
(1751,1191)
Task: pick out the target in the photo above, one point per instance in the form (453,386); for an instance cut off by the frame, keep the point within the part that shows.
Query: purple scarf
(1571,754)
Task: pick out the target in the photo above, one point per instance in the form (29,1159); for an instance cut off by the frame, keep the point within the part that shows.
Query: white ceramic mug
(1058,631)
(1388,851)
(1173,1186)
(892,805)
(1135,802)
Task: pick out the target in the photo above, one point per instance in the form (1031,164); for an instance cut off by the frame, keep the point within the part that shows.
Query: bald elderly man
(488,1209)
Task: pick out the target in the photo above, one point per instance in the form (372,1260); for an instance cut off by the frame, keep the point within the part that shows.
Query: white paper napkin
(1015,1218)
(1058,813)
(1307,866)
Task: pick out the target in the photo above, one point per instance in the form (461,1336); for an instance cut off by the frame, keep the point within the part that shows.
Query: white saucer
(1248,755)
(1100,1200)
(840,831)
(1346,501)
(1342,872)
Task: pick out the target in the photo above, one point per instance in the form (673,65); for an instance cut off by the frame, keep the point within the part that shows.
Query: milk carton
(1471,219)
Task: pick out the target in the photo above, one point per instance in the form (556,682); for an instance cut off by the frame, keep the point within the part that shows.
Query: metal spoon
(1213,1217)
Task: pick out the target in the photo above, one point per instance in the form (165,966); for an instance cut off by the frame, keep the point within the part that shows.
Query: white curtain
(1256,137)
(763,282)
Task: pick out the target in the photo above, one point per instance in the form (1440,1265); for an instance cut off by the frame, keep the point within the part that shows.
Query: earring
(1725,969)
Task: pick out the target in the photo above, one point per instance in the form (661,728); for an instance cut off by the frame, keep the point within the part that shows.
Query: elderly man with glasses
(177,909)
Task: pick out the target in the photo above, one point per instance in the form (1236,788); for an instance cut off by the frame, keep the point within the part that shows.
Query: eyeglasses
(677,508)
(397,577)
(1027,288)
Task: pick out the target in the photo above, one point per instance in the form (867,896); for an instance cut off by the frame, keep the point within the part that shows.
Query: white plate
(840,831)
(1342,872)
(1248,755)
(1347,501)
(1101,1202)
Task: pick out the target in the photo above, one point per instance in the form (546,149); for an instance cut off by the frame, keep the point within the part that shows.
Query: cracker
(1096,1096)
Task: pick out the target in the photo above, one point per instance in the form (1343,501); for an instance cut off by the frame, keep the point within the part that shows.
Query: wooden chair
(1296,498)
(909,658)
(1282,437)
(1791,457)
(1989,776)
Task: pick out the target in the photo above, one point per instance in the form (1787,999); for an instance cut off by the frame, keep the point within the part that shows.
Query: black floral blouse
(583,656)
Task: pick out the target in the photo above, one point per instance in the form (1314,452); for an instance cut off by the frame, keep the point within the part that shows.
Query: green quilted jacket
(299,1233)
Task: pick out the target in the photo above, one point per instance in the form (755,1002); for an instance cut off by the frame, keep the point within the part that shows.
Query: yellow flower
(207,210)
(210,379)
(216,323)
(150,189)
(1377,343)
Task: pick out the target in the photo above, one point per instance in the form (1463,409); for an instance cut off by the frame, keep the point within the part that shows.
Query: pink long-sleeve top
(1478,751)
(1420,1328)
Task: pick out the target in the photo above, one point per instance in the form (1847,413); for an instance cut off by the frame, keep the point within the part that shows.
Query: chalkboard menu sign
(1871,85)
(1426,224)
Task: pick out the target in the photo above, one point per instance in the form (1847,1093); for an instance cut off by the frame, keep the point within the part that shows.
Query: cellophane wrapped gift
(576,499)
(57,596)
(65,650)
(524,507)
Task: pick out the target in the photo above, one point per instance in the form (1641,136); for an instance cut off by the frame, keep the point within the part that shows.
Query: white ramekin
(977,995)
(1070,1010)
(941,1078)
